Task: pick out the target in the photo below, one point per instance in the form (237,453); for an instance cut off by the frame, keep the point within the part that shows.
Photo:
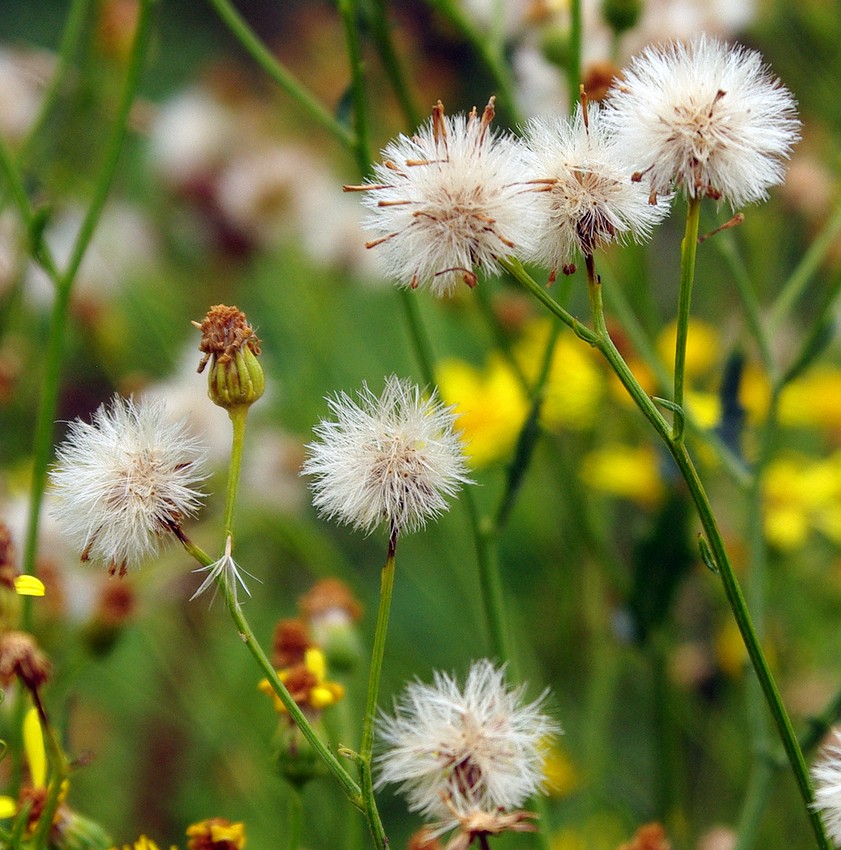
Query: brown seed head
(290,642)
(20,658)
(224,332)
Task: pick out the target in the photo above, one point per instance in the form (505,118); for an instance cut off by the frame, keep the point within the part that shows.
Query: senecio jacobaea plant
(455,201)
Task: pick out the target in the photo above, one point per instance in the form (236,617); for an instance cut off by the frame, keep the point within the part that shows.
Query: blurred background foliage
(227,193)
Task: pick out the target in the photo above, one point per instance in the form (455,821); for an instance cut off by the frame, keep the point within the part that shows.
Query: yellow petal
(316,663)
(27,585)
(8,807)
(33,742)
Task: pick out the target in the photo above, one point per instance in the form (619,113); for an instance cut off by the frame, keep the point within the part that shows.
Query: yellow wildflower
(306,683)
(802,495)
(490,403)
(703,347)
(812,400)
(625,471)
(576,382)
(216,834)
(561,774)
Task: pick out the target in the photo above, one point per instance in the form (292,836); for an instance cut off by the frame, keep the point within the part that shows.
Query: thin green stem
(806,268)
(493,60)
(345,780)
(73,31)
(601,340)
(688,250)
(381,34)
(295,821)
(59,773)
(239,417)
(270,65)
(64,282)
(348,9)
(574,53)
(366,747)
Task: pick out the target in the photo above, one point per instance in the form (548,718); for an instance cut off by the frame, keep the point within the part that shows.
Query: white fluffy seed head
(448,202)
(827,776)
(707,117)
(124,480)
(582,188)
(390,459)
(455,751)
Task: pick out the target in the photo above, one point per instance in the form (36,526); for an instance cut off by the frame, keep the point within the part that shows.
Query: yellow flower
(216,834)
(576,382)
(26,585)
(802,495)
(306,683)
(812,400)
(703,347)
(36,758)
(625,471)
(490,404)
(142,843)
(561,774)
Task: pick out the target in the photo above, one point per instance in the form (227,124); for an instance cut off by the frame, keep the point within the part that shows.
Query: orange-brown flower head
(307,685)
(290,642)
(21,659)
(332,612)
(215,834)
(229,343)
(650,836)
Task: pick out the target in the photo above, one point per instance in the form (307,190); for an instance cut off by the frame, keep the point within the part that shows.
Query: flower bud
(20,658)
(74,832)
(621,15)
(295,758)
(235,378)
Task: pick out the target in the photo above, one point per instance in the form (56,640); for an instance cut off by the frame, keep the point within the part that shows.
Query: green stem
(345,780)
(806,268)
(73,31)
(59,773)
(238,416)
(601,340)
(574,57)
(270,65)
(366,747)
(688,249)
(380,32)
(64,283)
(348,9)
(296,818)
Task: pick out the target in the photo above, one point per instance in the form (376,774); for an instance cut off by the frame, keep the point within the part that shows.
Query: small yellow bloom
(490,404)
(306,683)
(26,585)
(625,471)
(703,347)
(562,776)
(216,834)
(812,400)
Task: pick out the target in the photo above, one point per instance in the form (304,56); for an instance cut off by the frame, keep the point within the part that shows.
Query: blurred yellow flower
(703,347)
(561,774)
(142,843)
(813,400)
(27,585)
(730,650)
(216,834)
(36,759)
(576,382)
(490,403)
(306,683)
(802,495)
(627,472)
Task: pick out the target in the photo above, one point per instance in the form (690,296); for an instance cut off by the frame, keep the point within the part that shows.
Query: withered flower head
(480,824)
(7,558)
(216,834)
(229,343)
(330,598)
(290,642)
(21,659)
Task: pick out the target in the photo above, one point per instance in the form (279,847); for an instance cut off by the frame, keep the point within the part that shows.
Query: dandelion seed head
(393,458)
(827,776)
(124,480)
(707,117)
(582,188)
(448,202)
(455,751)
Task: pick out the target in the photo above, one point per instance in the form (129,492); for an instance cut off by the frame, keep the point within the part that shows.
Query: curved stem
(733,592)
(270,65)
(349,786)
(366,747)
(688,249)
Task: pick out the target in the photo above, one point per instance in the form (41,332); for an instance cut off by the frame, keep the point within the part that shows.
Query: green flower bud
(621,15)
(228,342)
(74,832)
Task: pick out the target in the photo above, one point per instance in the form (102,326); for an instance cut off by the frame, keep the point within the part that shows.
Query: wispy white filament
(124,480)
(454,751)
(827,776)
(704,116)
(393,458)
